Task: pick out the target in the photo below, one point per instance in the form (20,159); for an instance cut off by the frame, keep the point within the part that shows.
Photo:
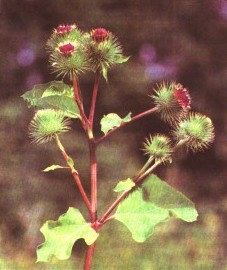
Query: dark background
(181,40)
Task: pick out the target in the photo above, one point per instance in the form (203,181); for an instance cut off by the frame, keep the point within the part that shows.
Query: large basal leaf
(139,216)
(163,195)
(112,120)
(53,95)
(152,204)
(61,235)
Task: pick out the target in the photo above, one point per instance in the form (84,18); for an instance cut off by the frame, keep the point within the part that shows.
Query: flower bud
(99,34)
(66,49)
(64,29)
(46,124)
(158,147)
(197,130)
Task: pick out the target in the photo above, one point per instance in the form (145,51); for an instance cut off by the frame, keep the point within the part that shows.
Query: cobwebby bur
(71,53)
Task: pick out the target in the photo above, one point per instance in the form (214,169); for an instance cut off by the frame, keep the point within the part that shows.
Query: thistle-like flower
(99,34)
(158,147)
(197,130)
(182,96)
(64,29)
(46,124)
(66,47)
(173,102)
(104,51)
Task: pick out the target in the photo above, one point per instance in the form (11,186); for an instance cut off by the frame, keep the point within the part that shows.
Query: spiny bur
(46,124)
(197,130)
(158,147)
(173,101)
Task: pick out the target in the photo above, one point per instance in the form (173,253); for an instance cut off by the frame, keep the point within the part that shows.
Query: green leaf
(70,162)
(121,59)
(53,167)
(53,95)
(112,120)
(61,235)
(124,185)
(152,204)
(104,73)
(139,216)
(163,195)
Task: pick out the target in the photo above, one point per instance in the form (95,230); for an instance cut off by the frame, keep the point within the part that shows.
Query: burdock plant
(57,104)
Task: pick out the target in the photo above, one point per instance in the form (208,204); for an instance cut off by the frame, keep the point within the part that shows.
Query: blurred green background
(182,40)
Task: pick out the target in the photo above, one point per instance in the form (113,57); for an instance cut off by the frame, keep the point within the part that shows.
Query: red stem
(94,97)
(138,116)
(93,168)
(89,256)
(75,175)
(78,99)
(105,216)
(87,125)
(82,191)
(80,95)
(92,148)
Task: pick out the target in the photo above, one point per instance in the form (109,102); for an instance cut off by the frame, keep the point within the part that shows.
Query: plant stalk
(93,169)
(88,128)
(94,97)
(146,166)
(137,180)
(89,257)
(78,100)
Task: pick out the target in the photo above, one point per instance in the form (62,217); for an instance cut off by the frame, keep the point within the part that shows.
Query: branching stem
(136,117)
(138,180)
(87,124)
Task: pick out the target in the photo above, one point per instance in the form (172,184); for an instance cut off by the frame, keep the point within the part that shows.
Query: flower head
(158,147)
(104,51)
(64,29)
(46,124)
(170,99)
(66,49)
(99,34)
(182,96)
(197,130)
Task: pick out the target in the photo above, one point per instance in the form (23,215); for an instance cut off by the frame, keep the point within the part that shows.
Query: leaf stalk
(75,174)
